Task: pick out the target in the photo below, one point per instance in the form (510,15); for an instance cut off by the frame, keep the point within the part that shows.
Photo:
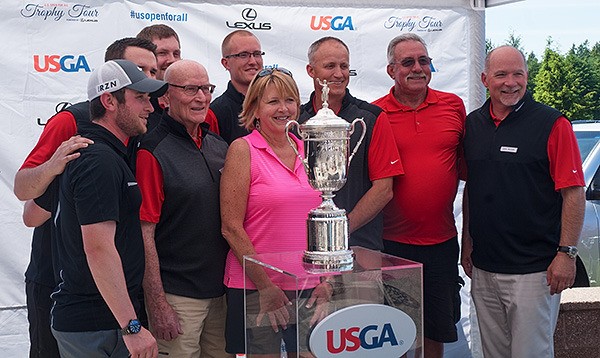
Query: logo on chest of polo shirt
(506,149)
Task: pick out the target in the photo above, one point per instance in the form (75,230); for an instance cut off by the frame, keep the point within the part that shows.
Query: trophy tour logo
(367,330)
(335,23)
(425,23)
(249,16)
(60,11)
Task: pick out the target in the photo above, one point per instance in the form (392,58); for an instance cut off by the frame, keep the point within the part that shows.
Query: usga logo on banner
(55,63)
(369,330)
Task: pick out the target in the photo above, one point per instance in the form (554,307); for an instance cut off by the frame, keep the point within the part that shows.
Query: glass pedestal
(373,310)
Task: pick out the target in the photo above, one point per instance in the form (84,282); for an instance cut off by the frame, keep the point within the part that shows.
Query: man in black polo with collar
(242,57)
(371,173)
(100,248)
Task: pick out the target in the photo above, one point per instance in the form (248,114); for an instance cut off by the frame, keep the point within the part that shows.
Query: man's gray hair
(401,38)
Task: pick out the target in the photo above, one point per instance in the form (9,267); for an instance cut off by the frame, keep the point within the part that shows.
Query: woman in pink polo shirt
(265,199)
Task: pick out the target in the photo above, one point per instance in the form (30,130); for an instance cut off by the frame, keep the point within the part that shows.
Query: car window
(586,141)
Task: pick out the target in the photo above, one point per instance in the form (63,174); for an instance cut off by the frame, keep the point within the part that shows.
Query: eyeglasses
(269,71)
(246,55)
(410,62)
(191,90)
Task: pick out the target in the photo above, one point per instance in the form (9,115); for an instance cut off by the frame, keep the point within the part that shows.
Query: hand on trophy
(274,303)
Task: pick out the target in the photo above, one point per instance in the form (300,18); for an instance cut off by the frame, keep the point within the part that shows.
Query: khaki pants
(516,314)
(203,325)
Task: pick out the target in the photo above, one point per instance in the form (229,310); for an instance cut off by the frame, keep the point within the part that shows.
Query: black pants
(43,344)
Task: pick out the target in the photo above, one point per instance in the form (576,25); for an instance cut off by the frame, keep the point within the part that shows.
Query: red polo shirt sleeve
(563,153)
(211,120)
(150,181)
(59,128)
(384,159)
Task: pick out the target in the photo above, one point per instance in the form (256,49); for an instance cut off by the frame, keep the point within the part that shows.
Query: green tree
(551,81)
(514,41)
(594,61)
(489,46)
(533,66)
(582,83)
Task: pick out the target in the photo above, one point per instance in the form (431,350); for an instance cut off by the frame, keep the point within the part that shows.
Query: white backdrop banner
(50,48)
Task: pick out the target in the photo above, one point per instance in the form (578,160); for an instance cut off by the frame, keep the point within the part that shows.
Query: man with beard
(243,58)
(56,146)
(99,241)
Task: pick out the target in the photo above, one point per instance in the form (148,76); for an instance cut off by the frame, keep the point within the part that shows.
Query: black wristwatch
(571,251)
(134,326)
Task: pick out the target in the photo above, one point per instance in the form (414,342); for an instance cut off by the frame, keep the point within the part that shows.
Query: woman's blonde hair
(284,84)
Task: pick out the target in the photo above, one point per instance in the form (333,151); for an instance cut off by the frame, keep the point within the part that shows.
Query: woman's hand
(321,295)
(274,303)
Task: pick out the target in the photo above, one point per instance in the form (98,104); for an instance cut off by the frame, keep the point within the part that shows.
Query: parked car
(588,138)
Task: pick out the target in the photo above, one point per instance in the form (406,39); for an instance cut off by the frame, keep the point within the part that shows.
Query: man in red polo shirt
(419,221)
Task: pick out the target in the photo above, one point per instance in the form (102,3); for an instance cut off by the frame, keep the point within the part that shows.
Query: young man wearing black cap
(100,248)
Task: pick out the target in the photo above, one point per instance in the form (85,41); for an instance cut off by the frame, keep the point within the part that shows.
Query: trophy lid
(325,117)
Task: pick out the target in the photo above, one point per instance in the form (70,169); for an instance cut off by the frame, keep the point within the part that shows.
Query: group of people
(153,186)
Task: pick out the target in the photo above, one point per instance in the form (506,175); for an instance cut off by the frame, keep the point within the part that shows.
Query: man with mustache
(369,180)
(523,211)
(419,221)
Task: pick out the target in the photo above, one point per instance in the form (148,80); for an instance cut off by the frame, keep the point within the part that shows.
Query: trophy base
(327,241)
(321,262)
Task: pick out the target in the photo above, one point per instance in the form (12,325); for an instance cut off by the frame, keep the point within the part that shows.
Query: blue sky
(567,21)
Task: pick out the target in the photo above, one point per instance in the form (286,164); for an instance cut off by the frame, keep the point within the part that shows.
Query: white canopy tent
(50,48)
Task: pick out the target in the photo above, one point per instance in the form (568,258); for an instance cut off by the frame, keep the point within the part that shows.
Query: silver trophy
(326,145)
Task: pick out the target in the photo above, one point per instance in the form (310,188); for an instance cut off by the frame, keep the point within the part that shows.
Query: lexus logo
(249,14)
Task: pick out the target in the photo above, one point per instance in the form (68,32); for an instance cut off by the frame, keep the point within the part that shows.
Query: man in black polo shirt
(57,145)
(242,57)
(375,164)
(99,243)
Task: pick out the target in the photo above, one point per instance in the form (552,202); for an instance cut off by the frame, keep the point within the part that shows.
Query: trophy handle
(288,125)
(362,136)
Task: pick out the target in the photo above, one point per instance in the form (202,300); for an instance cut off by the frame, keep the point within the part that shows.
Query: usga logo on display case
(369,330)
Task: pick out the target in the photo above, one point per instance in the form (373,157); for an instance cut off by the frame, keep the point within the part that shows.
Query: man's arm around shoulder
(30,183)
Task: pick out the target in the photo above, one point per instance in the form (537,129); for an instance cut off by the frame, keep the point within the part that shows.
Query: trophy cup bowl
(326,140)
